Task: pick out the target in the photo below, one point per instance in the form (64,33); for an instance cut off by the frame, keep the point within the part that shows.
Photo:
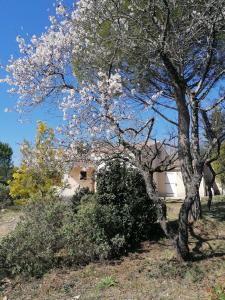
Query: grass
(106,282)
(218,292)
(151,272)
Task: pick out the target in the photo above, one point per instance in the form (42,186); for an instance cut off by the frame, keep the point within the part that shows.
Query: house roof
(100,150)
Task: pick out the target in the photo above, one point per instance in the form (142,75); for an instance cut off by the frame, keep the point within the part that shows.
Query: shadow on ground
(217,210)
(207,236)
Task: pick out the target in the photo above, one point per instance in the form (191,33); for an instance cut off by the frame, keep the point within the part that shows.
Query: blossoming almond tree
(99,110)
(132,60)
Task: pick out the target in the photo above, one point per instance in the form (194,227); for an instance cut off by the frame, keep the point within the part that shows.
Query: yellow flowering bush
(41,169)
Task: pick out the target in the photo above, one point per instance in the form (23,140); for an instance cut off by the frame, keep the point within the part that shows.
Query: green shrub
(49,233)
(85,240)
(30,249)
(108,223)
(5,199)
(218,292)
(78,195)
(87,233)
(121,193)
(99,226)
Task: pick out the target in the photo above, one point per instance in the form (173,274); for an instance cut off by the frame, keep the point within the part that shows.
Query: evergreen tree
(122,189)
(6,165)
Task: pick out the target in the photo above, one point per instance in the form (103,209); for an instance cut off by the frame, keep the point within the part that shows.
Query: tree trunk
(209,176)
(183,252)
(158,202)
(180,238)
(188,153)
(191,200)
(195,211)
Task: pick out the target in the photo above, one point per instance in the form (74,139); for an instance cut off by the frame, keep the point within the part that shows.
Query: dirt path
(8,221)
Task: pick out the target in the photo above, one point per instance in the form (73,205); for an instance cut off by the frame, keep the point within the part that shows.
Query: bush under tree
(124,188)
(100,226)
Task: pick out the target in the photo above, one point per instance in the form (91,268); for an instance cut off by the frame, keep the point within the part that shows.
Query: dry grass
(151,272)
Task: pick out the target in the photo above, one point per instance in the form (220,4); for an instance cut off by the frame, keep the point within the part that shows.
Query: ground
(8,220)
(150,272)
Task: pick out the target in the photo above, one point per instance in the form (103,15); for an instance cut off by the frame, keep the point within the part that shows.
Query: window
(83,175)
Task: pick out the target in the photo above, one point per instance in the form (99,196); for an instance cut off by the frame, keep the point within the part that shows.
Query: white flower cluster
(40,71)
(61,10)
(49,67)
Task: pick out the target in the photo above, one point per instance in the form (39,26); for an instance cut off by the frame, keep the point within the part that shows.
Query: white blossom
(46,68)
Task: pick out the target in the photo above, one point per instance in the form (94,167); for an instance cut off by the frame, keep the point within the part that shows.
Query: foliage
(78,195)
(50,233)
(119,215)
(124,44)
(30,249)
(219,166)
(218,292)
(5,199)
(107,282)
(85,240)
(123,189)
(41,169)
(5,162)
(4,191)
(97,226)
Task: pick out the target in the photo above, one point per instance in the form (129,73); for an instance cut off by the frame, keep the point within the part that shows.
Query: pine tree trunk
(195,212)
(183,252)
(179,238)
(159,204)
(190,211)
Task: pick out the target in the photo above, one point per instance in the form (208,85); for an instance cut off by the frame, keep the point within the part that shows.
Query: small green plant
(107,282)
(218,292)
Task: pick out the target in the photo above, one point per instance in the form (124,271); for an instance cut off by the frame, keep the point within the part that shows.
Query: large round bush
(124,189)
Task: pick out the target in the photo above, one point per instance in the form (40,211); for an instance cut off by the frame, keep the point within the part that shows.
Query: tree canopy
(5,162)
(40,169)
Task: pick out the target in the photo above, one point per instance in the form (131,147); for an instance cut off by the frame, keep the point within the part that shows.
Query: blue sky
(23,17)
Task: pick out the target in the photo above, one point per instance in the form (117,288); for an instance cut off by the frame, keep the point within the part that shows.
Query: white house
(169,183)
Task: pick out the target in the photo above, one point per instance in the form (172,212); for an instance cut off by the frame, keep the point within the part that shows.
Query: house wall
(181,188)
(179,185)
(160,183)
(74,182)
(89,182)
